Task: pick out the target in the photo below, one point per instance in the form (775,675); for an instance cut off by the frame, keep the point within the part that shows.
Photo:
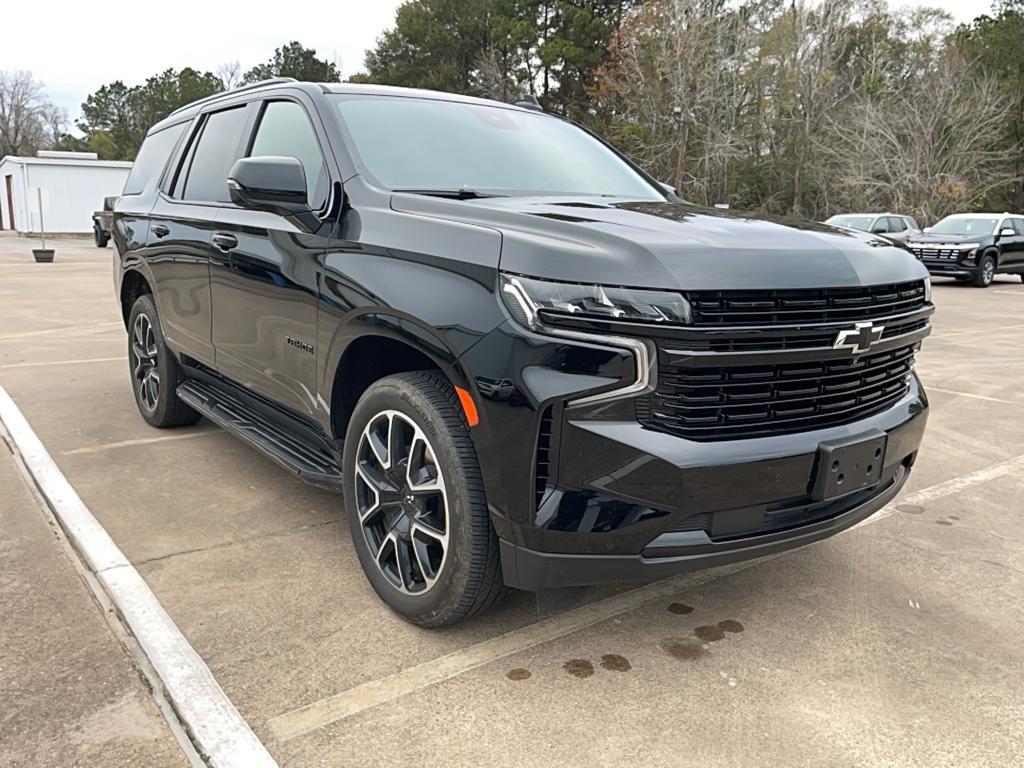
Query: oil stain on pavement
(680,609)
(579,667)
(518,674)
(615,663)
(683,648)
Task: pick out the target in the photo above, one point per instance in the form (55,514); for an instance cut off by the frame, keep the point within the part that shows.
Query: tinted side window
(214,155)
(896,224)
(152,157)
(881,225)
(285,131)
(912,223)
(1018,224)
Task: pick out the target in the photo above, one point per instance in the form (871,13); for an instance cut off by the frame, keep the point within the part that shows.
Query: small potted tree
(44,254)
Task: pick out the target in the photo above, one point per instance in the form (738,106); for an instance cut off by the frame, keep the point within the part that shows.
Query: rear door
(265,310)
(897,228)
(181,224)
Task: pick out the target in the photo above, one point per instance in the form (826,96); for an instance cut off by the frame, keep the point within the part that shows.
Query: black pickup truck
(102,222)
(523,361)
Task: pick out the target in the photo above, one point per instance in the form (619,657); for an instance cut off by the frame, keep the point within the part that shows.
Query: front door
(265,308)
(1013,247)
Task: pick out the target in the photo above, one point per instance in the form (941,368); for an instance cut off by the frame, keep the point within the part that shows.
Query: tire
(986,272)
(433,567)
(155,393)
(101,237)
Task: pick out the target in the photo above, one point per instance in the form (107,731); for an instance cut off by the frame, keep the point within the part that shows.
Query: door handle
(224,242)
(160,230)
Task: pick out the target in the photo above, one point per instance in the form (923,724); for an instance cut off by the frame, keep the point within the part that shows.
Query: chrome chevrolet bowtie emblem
(859,338)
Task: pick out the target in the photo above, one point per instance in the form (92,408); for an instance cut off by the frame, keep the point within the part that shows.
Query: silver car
(891,225)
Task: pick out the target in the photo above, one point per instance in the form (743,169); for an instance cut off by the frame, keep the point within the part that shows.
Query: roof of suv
(979,215)
(189,110)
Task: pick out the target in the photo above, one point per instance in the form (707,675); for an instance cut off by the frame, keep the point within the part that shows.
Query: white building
(73,185)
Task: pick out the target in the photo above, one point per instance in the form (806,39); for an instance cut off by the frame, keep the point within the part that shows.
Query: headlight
(928,290)
(530,300)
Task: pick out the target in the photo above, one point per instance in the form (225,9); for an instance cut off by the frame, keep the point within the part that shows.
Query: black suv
(973,247)
(523,361)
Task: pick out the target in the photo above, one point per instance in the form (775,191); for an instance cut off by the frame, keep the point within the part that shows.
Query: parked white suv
(891,225)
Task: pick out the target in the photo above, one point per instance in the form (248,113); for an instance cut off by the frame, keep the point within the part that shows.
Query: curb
(216,729)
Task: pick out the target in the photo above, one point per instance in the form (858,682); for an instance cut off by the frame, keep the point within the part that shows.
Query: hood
(927,237)
(671,245)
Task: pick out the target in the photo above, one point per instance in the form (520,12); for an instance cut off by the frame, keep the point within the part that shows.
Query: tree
(119,115)
(500,49)
(230,74)
(29,121)
(434,44)
(995,41)
(292,60)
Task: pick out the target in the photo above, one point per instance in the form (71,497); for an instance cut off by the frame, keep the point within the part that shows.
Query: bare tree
(230,74)
(492,79)
(28,120)
(935,147)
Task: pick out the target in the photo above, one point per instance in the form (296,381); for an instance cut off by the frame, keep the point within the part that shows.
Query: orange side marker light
(468,406)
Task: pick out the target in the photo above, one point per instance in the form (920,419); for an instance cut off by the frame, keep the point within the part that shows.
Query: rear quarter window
(153,155)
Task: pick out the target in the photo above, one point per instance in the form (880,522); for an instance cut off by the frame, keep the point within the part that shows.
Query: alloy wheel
(145,362)
(401,502)
(989,271)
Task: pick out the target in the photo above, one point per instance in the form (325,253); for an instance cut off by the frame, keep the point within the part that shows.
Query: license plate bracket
(849,465)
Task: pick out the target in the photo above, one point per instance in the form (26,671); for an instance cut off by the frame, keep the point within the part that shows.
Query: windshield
(965,226)
(425,144)
(852,222)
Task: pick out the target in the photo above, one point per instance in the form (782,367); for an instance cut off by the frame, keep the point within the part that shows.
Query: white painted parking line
(215,726)
(947,488)
(69,330)
(971,395)
(65,362)
(331,709)
(140,441)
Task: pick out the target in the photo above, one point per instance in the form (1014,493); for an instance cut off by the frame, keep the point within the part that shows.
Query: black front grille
(939,254)
(795,306)
(816,339)
(732,402)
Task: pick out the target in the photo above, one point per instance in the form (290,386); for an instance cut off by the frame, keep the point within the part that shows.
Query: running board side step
(315,464)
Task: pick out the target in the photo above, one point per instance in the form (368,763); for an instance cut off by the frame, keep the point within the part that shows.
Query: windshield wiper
(460,193)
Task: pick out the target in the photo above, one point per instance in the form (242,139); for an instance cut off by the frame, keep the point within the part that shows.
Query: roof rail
(233,91)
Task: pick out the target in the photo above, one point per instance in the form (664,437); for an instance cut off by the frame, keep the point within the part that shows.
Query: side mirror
(275,184)
(1007,232)
(667,187)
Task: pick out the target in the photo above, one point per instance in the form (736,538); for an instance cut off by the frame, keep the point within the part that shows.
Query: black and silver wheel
(155,371)
(401,502)
(145,362)
(986,271)
(416,504)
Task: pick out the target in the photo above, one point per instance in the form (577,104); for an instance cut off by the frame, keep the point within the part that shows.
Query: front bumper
(669,554)
(631,504)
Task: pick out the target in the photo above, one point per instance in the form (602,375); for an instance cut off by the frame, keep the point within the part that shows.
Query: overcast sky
(74,48)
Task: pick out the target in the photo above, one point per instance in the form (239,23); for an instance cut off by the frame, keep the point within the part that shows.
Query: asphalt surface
(894,644)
